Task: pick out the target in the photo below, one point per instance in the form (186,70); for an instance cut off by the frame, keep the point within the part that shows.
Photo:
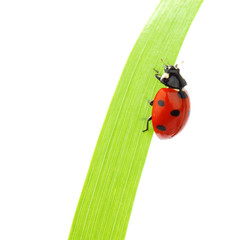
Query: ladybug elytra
(171,105)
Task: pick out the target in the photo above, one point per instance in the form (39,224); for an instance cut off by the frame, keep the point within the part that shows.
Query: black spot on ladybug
(175,113)
(161,103)
(182,94)
(161,128)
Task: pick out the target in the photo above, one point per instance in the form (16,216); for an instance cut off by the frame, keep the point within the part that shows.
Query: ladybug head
(172,77)
(170,68)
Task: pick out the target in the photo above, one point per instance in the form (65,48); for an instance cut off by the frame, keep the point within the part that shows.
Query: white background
(60,62)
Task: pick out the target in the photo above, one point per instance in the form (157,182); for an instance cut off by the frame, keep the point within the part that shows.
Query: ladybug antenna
(163,62)
(176,65)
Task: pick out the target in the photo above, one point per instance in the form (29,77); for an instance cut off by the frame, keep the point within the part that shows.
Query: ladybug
(171,105)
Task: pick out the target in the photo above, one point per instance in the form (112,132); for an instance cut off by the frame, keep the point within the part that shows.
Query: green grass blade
(108,194)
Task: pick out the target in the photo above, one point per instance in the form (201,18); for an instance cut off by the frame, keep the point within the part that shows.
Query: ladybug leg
(150,102)
(157,76)
(149,119)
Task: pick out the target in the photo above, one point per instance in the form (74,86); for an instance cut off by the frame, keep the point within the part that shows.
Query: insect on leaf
(108,194)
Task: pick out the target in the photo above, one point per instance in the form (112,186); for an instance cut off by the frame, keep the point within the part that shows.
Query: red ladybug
(171,105)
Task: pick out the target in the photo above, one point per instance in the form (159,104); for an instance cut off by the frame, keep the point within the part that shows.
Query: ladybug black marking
(182,94)
(175,113)
(161,103)
(161,128)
